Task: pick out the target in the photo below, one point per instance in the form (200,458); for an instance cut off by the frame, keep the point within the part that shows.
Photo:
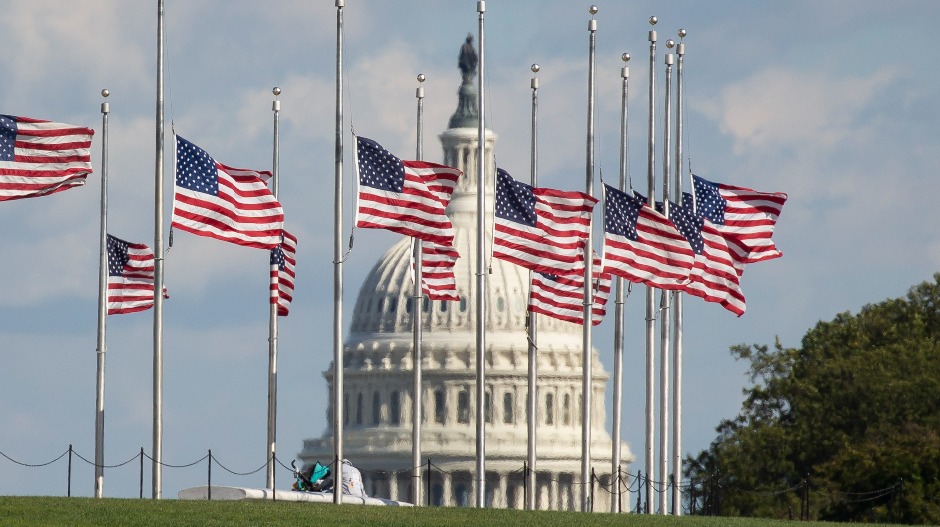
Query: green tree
(854,412)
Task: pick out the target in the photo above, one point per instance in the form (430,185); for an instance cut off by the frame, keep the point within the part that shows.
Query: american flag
(562,297)
(437,271)
(283,265)
(41,157)
(218,201)
(716,276)
(407,197)
(130,277)
(746,215)
(541,229)
(641,245)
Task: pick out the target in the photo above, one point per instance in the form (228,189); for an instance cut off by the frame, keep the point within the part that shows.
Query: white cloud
(784,108)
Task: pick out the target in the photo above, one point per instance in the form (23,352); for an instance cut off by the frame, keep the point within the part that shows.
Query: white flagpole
(102,303)
(533,317)
(586,355)
(338,269)
(272,313)
(481,272)
(157,457)
(664,325)
(618,305)
(677,309)
(416,309)
(650,291)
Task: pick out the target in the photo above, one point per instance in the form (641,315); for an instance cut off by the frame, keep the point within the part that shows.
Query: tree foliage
(854,412)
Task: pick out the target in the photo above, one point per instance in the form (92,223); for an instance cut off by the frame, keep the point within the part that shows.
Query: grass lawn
(109,512)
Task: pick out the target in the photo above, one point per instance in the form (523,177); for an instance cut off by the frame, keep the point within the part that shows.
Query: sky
(832,102)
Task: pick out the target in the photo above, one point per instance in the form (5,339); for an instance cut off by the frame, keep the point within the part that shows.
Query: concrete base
(243,494)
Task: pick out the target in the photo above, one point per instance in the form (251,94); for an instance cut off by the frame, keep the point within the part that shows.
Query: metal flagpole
(618,301)
(481,272)
(272,314)
(677,308)
(533,317)
(338,268)
(157,457)
(587,310)
(416,309)
(650,291)
(102,303)
(664,319)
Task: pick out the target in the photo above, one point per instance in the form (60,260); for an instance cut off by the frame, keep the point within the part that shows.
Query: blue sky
(832,102)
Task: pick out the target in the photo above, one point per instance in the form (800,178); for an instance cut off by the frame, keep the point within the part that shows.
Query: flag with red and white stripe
(283,273)
(562,297)
(218,201)
(437,271)
(130,277)
(41,157)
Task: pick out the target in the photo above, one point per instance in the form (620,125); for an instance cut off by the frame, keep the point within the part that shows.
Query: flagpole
(272,313)
(664,326)
(338,267)
(618,300)
(418,300)
(157,457)
(533,317)
(102,302)
(650,291)
(587,312)
(677,309)
(481,272)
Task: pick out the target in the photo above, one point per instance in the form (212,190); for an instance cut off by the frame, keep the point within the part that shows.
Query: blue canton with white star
(621,213)
(514,200)
(7,137)
(117,256)
(378,168)
(277,258)
(195,169)
(708,200)
(687,222)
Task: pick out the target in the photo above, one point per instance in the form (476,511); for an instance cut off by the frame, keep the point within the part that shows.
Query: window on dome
(359,409)
(507,408)
(500,304)
(440,411)
(427,304)
(566,409)
(549,408)
(463,304)
(487,407)
(463,406)
(381,305)
(408,305)
(394,408)
(376,408)
(392,304)
(443,306)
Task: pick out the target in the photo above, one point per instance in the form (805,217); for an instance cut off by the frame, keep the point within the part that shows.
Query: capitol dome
(378,374)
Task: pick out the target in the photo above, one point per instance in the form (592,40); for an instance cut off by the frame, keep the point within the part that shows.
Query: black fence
(700,496)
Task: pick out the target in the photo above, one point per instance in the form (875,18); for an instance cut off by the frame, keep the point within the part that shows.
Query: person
(319,478)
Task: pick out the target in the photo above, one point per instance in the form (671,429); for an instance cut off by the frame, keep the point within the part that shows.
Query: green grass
(110,512)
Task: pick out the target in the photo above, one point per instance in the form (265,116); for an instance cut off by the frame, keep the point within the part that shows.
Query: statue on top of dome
(468,113)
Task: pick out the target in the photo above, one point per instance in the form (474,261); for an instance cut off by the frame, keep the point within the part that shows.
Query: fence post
(209,486)
(141,473)
(639,492)
(692,497)
(428,478)
(593,479)
(806,493)
(619,490)
(525,483)
(675,490)
(900,494)
(69,488)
